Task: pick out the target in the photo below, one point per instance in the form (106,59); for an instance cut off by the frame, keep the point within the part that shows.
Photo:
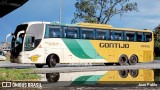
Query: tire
(123,73)
(52,77)
(51,61)
(39,65)
(133,60)
(123,60)
(134,73)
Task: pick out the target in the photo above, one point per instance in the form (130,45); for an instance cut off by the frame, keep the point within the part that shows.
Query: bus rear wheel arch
(52,60)
(133,59)
(123,60)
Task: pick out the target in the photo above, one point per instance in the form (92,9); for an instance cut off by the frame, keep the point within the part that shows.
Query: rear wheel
(123,60)
(39,65)
(134,73)
(123,73)
(133,60)
(51,61)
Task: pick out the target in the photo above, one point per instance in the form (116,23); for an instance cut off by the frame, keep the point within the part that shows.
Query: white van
(2,55)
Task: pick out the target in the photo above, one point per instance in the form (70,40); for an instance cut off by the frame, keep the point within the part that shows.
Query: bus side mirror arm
(8,35)
(19,34)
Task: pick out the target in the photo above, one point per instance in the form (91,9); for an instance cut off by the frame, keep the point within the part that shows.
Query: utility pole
(60,11)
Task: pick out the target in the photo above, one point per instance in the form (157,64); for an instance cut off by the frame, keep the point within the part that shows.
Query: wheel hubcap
(133,60)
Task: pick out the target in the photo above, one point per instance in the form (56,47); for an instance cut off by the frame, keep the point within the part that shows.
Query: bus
(102,78)
(49,43)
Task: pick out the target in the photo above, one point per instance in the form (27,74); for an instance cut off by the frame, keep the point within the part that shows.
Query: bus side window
(87,33)
(129,36)
(100,34)
(71,32)
(53,32)
(118,35)
(139,36)
(108,35)
(84,36)
(148,37)
(112,35)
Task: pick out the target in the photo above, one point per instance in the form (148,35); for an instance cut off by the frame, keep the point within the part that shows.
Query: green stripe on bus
(76,49)
(94,79)
(81,80)
(89,49)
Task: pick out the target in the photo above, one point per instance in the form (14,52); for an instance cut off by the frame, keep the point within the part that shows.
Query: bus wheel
(134,73)
(39,65)
(51,61)
(123,60)
(133,60)
(52,77)
(123,73)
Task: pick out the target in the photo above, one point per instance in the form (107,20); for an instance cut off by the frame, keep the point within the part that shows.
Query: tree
(157,41)
(157,29)
(101,11)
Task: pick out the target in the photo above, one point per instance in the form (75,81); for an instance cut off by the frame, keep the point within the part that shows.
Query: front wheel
(39,65)
(51,61)
(52,77)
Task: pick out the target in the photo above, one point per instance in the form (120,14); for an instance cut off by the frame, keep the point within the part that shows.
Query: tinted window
(70,32)
(148,37)
(116,35)
(87,33)
(53,32)
(101,35)
(129,36)
(33,36)
(139,36)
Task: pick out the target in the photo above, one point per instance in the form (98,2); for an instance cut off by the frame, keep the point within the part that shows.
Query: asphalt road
(7,64)
(68,68)
(151,65)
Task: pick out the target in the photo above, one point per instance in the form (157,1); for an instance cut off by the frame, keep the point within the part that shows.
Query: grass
(17,75)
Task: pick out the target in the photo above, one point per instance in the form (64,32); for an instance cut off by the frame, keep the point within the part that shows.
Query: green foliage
(17,75)
(101,11)
(157,75)
(157,41)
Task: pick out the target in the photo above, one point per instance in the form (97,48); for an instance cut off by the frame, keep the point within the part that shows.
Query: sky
(147,17)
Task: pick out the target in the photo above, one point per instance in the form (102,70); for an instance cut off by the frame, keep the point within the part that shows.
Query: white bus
(47,43)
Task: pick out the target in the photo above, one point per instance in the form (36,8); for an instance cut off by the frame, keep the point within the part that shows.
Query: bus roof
(93,25)
(88,25)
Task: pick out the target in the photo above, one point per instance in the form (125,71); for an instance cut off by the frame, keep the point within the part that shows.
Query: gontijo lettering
(113,45)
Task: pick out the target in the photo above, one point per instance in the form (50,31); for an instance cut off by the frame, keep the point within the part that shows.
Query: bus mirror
(19,33)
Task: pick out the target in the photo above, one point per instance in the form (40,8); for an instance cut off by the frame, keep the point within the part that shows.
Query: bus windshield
(17,40)
(33,36)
